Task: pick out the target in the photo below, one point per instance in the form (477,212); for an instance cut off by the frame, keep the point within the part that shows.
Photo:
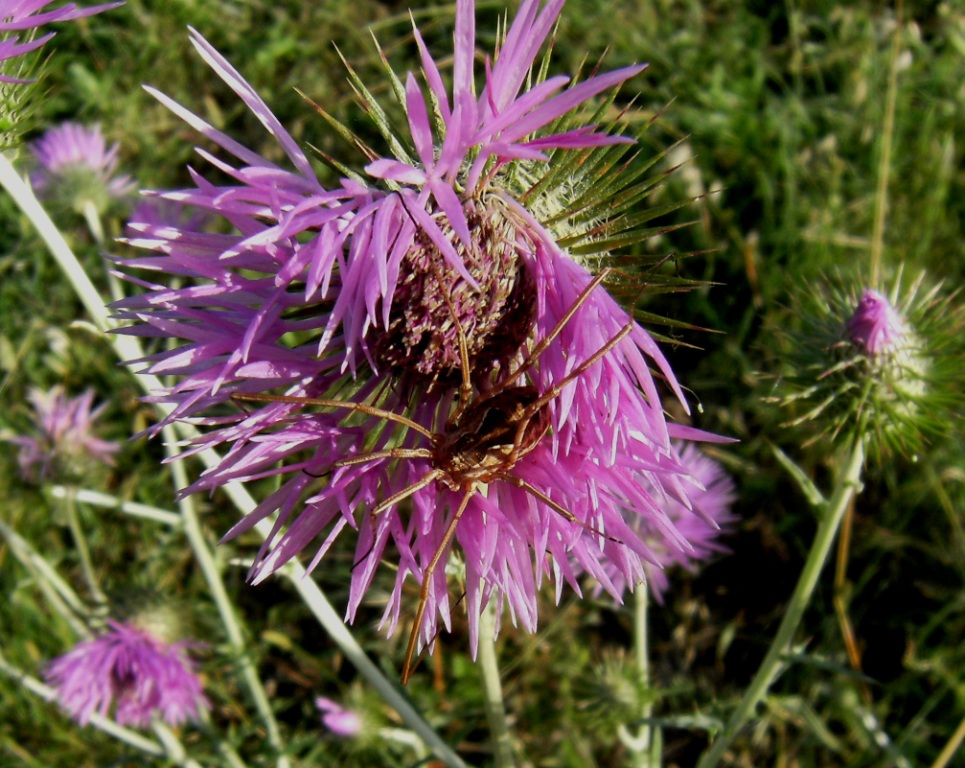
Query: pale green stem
(172,745)
(58,593)
(132,508)
(502,744)
(951,747)
(93,219)
(104,724)
(128,348)
(96,227)
(83,551)
(650,740)
(24,197)
(205,559)
(848,484)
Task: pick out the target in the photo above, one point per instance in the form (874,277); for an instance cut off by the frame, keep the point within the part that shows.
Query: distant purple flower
(77,165)
(340,721)
(352,293)
(876,326)
(701,526)
(22,16)
(132,671)
(65,442)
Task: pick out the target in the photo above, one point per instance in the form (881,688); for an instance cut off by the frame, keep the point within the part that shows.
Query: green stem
(83,551)
(849,483)
(502,744)
(132,508)
(58,593)
(649,754)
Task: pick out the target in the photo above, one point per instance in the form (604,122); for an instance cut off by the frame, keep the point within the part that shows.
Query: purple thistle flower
(358,294)
(131,670)
(22,16)
(701,526)
(876,326)
(78,167)
(340,721)
(65,443)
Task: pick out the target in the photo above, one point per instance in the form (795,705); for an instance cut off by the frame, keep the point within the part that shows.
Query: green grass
(782,108)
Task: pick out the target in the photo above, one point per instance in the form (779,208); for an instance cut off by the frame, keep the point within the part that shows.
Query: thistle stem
(83,551)
(848,485)
(502,744)
(58,593)
(649,739)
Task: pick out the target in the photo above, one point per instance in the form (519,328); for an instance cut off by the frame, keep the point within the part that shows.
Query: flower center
(421,343)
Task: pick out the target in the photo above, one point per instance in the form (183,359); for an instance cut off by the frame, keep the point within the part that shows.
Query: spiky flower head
(454,378)
(77,171)
(64,445)
(134,672)
(876,364)
(19,22)
(20,19)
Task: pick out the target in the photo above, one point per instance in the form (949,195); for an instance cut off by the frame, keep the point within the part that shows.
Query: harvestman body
(482,441)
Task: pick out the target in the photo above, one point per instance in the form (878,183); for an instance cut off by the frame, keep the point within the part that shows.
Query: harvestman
(482,441)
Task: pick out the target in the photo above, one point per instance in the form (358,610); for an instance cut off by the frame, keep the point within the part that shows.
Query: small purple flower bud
(875,325)
(340,721)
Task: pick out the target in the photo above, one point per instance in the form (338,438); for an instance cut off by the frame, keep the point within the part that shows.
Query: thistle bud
(868,364)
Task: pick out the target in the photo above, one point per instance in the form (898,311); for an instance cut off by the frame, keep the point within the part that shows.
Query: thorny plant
(481,442)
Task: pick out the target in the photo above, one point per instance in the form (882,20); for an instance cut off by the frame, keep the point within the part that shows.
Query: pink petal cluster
(131,671)
(300,296)
(701,526)
(65,440)
(22,16)
(876,326)
(71,148)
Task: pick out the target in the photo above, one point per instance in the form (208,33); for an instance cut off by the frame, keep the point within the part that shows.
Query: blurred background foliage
(782,111)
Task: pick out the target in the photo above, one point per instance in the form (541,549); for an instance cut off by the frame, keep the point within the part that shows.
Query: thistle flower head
(453,377)
(77,170)
(701,525)
(19,22)
(133,672)
(24,16)
(876,326)
(64,445)
(864,363)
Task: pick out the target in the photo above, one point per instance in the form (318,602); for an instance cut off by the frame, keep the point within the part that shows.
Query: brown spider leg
(465,386)
(555,390)
(321,402)
(427,575)
(388,453)
(395,498)
(561,510)
(544,343)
